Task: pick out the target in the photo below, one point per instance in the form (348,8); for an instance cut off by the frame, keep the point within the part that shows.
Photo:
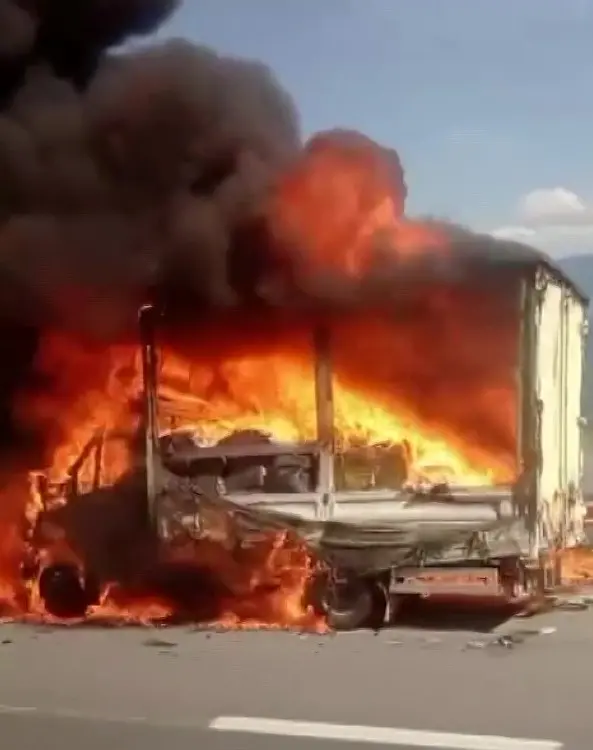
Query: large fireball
(428,368)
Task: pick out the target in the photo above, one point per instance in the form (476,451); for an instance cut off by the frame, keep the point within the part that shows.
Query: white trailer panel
(560,333)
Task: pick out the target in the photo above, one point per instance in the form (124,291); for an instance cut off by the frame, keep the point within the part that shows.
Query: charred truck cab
(377,546)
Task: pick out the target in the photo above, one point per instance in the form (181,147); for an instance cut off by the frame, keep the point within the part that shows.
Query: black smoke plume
(122,172)
(145,173)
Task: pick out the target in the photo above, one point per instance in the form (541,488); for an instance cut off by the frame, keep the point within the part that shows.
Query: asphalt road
(179,689)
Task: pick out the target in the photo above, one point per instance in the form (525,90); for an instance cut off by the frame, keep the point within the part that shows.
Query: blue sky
(486,100)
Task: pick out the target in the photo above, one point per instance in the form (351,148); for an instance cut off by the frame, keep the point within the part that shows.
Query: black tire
(63,591)
(353,604)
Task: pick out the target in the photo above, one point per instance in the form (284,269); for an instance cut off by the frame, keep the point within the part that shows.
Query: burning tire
(66,593)
(349,603)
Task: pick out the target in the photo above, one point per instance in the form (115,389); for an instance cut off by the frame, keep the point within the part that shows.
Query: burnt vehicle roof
(508,255)
(561,275)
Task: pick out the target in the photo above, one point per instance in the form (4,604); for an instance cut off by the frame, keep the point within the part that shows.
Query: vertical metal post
(521,380)
(324,402)
(532,438)
(147,321)
(528,416)
(98,459)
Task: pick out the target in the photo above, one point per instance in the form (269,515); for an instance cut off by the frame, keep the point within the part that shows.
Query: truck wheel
(350,604)
(63,591)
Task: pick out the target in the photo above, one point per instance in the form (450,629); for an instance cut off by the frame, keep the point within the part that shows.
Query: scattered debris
(475,645)
(432,641)
(508,640)
(158,643)
(529,633)
(537,606)
(577,604)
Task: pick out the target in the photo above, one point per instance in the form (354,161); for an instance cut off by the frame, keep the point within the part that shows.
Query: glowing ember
(577,565)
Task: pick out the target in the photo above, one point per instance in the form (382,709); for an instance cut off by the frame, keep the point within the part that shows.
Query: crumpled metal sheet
(385,539)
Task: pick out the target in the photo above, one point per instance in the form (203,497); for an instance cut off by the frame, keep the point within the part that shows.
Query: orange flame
(342,204)
(438,380)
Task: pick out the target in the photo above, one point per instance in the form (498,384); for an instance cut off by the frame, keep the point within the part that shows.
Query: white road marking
(4,709)
(377,735)
(35,712)
(66,713)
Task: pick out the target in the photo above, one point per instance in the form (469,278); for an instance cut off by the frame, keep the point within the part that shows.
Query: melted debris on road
(508,640)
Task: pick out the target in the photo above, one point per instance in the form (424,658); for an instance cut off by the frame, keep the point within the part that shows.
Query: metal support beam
(98,462)
(324,401)
(147,321)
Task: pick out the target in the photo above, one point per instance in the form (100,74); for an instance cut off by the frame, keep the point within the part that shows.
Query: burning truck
(377,521)
(340,405)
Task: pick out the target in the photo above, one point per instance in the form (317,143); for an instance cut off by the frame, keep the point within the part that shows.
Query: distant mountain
(580,269)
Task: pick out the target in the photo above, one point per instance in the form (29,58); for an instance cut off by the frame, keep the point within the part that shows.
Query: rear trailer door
(560,325)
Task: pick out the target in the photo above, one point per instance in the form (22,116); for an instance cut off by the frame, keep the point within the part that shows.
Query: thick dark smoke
(125,175)
(130,174)
(121,173)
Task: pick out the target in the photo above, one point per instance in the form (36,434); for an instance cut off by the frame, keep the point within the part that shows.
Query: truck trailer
(377,546)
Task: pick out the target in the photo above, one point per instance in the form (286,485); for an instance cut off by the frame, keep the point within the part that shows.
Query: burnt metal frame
(527,493)
(147,319)
(323,448)
(69,486)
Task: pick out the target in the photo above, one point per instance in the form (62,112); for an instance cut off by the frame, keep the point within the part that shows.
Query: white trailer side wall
(561,317)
